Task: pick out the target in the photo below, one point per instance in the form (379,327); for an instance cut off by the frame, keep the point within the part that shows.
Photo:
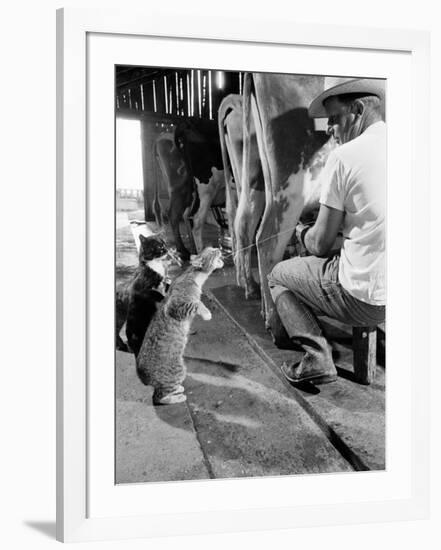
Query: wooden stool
(364,348)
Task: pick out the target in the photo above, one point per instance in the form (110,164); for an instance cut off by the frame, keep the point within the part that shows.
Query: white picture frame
(83,401)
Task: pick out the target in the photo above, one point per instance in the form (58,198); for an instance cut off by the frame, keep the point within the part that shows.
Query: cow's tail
(157,208)
(246,110)
(246,129)
(224,109)
(230,185)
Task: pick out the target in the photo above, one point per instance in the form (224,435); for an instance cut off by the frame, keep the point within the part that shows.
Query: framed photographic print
(242,294)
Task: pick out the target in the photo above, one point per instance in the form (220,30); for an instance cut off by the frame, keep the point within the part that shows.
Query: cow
(180,188)
(291,155)
(198,141)
(244,204)
(191,163)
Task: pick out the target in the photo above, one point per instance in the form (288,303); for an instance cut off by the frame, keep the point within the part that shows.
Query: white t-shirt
(354,181)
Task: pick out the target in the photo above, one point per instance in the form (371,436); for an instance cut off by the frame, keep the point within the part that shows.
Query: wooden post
(148,173)
(161,94)
(198,93)
(204,76)
(210,95)
(135,93)
(177,93)
(216,95)
(187,95)
(364,347)
(143,102)
(182,98)
(154,97)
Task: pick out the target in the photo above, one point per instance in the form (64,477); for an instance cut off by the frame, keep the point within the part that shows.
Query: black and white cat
(137,299)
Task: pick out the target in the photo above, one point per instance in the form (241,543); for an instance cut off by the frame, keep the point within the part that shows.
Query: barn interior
(242,418)
(156,99)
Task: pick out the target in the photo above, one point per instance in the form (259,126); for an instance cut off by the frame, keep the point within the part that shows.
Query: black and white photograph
(250,275)
(220,275)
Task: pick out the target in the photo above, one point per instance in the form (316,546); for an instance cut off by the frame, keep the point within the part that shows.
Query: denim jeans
(316,290)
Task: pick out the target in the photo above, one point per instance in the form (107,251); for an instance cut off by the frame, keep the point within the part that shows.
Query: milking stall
(212,158)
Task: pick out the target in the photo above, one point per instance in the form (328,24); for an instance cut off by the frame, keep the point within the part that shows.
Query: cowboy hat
(368,86)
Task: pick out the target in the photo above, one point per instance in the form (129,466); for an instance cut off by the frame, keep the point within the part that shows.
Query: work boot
(305,334)
(278,333)
(299,373)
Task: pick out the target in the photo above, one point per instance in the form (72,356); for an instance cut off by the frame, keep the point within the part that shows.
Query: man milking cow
(349,285)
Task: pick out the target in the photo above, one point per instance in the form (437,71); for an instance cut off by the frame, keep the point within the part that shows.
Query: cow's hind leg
(276,229)
(175,215)
(206,193)
(189,228)
(247,218)
(251,205)
(231,209)
(199,221)
(157,209)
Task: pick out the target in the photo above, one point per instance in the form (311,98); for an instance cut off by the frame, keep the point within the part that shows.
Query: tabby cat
(160,361)
(137,299)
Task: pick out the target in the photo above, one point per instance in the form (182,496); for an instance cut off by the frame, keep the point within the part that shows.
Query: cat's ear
(180,310)
(142,239)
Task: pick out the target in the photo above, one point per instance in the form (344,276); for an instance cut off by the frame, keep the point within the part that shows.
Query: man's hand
(320,238)
(301,229)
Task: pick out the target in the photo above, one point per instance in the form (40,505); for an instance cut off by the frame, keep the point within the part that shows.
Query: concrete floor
(352,415)
(242,418)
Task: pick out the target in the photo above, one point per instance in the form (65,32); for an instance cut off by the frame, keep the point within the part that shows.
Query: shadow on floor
(354,412)
(47,528)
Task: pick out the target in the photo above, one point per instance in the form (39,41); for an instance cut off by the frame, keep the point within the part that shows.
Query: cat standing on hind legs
(137,299)
(160,362)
